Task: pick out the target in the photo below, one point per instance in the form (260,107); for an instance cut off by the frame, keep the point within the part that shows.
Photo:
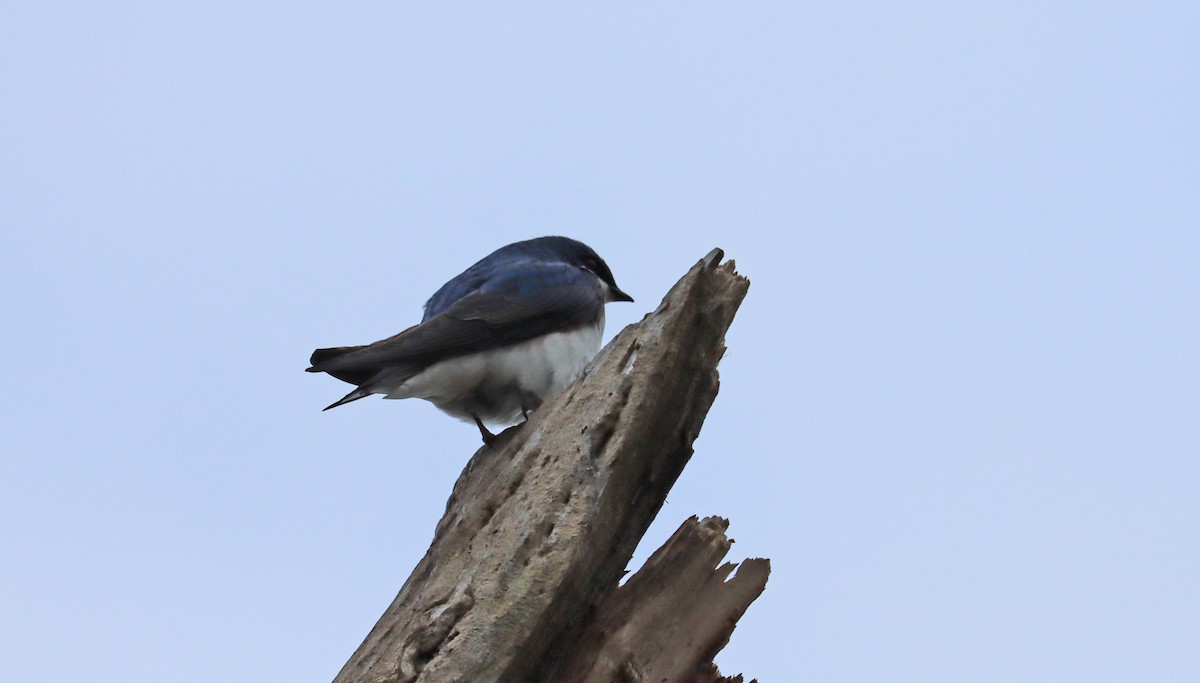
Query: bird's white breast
(496,384)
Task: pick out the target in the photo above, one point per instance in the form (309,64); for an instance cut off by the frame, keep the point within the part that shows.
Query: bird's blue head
(571,252)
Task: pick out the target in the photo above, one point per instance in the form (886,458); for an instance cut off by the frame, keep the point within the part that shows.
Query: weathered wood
(670,618)
(540,526)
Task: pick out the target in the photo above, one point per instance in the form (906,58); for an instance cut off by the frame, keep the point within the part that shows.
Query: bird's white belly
(496,385)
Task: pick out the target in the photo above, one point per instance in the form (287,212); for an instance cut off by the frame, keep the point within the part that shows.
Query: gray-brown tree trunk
(521,582)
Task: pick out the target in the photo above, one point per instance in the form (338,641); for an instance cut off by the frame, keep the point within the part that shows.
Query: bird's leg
(530,402)
(488,437)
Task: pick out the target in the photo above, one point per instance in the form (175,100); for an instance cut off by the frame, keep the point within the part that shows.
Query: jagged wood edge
(671,618)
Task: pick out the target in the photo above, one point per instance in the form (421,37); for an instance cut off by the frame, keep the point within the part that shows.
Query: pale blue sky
(960,405)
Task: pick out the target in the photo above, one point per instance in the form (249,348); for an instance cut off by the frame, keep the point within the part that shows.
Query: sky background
(960,410)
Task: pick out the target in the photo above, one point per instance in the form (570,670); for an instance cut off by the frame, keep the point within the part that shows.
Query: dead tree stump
(521,582)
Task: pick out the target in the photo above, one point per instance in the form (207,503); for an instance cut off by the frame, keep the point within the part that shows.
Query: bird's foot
(488,438)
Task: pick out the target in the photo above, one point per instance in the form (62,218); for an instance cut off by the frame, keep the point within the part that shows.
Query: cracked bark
(521,581)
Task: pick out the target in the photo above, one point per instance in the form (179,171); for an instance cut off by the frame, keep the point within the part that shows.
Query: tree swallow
(496,341)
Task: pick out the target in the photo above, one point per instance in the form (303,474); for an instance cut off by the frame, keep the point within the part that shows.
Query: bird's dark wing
(527,300)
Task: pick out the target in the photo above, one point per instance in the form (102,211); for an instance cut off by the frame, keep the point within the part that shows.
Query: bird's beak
(615,294)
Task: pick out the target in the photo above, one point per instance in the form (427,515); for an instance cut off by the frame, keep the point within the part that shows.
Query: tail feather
(369,378)
(321,356)
(352,396)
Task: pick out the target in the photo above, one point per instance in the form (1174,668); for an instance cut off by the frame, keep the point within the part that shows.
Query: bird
(496,341)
